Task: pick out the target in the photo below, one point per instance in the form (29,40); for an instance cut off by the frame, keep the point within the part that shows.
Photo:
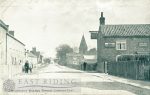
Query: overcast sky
(48,23)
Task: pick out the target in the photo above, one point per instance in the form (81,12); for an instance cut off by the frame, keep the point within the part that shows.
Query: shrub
(133,57)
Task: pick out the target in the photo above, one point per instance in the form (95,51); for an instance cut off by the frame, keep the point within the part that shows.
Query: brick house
(115,40)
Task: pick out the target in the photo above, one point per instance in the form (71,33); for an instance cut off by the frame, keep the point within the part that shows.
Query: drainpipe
(6,49)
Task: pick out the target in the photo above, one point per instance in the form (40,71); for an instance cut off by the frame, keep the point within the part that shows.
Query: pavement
(137,83)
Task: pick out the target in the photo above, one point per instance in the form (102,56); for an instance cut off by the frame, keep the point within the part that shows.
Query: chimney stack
(34,50)
(102,19)
(11,33)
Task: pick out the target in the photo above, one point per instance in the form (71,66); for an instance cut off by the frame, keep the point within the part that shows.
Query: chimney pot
(102,19)
(34,49)
(101,14)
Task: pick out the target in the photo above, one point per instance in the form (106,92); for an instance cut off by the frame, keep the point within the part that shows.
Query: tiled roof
(32,55)
(15,39)
(90,57)
(126,30)
(73,54)
(2,24)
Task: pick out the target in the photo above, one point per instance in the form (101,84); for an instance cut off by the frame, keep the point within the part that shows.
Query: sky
(46,24)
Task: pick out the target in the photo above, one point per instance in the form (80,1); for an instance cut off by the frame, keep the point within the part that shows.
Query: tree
(47,60)
(75,49)
(62,50)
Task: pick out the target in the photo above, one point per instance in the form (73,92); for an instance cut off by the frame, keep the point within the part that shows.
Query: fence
(130,69)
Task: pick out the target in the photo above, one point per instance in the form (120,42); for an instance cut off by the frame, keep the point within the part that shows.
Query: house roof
(73,54)
(90,59)
(30,54)
(2,24)
(15,39)
(36,53)
(126,30)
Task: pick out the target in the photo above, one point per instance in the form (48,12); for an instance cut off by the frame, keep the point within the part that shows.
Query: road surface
(89,84)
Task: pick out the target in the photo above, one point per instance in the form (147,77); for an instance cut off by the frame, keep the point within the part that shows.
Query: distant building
(92,51)
(31,58)
(83,46)
(37,54)
(47,60)
(90,59)
(74,58)
(116,40)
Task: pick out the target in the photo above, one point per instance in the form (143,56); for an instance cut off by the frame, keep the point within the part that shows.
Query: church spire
(83,46)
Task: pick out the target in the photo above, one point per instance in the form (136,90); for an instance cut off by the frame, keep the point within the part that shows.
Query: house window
(143,44)
(109,45)
(121,45)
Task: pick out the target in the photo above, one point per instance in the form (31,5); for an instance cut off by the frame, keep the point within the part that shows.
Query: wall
(10,48)
(15,51)
(109,54)
(74,61)
(31,58)
(3,66)
(15,56)
(2,45)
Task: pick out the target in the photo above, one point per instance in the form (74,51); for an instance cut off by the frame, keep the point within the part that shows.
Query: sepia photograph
(74,47)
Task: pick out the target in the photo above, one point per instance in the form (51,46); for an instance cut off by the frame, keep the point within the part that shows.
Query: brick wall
(109,54)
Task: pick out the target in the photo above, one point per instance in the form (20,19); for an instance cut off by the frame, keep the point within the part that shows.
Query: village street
(85,37)
(90,83)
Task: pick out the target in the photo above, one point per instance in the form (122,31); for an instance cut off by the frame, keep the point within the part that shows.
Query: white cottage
(12,52)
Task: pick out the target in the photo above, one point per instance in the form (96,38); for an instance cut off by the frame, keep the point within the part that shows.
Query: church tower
(83,46)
